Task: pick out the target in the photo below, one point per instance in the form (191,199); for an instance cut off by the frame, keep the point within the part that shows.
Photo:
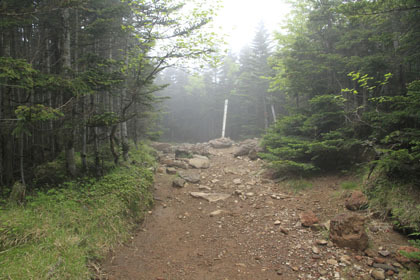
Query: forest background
(83,81)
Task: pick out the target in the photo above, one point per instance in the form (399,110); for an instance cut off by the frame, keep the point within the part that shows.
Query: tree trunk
(69,141)
(112,143)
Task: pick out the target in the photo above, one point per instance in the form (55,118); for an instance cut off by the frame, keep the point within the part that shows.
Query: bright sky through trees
(239,18)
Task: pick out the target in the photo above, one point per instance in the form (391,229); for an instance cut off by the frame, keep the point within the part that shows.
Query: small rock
(277,223)
(384,253)
(237,181)
(202,187)
(316,257)
(370,253)
(283,230)
(345,259)
(356,201)
(390,272)
(332,262)
(170,170)
(358,258)
(321,242)
(385,267)
(379,260)
(210,197)
(378,274)
(322,271)
(315,250)
(216,213)
(178,183)
(308,218)
(398,265)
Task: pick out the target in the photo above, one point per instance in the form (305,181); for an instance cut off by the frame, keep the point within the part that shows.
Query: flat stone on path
(200,162)
(210,197)
(190,177)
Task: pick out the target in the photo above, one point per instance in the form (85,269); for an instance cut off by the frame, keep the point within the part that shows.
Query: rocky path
(251,229)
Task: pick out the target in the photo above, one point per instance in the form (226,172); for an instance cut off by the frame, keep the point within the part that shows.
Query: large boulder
(199,162)
(245,147)
(348,230)
(221,143)
(250,148)
(357,201)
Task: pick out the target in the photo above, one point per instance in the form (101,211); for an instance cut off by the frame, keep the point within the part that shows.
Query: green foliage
(349,185)
(400,201)
(16,73)
(299,185)
(59,232)
(397,132)
(317,140)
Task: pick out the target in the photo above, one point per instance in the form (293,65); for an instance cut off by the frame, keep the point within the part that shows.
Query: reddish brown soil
(179,239)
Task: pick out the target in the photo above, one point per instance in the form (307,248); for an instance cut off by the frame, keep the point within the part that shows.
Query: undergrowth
(59,233)
(400,202)
(298,185)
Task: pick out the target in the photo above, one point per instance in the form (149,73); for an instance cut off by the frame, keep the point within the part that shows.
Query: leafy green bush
(59,232)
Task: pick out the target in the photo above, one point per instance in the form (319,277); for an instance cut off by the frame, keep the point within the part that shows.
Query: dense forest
(77,77)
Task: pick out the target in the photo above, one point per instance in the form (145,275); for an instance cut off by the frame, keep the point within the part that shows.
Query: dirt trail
(256,235)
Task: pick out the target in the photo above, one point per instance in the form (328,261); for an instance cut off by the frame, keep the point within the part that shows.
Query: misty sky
(239,18)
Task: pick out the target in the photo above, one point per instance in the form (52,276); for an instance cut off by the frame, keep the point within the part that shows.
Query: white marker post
(224,118)
(274,113)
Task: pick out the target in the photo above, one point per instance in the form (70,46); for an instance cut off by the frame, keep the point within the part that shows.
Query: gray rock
(178,183)
(221,143)
(170,170)
(183,153)
(378,274)
(199,162)
(190,177)
(385,267)
(174,163)
(163,147)
(210,197)
(384,253)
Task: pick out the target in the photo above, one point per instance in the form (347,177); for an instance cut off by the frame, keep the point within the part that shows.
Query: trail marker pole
(224,118)
(274,113)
